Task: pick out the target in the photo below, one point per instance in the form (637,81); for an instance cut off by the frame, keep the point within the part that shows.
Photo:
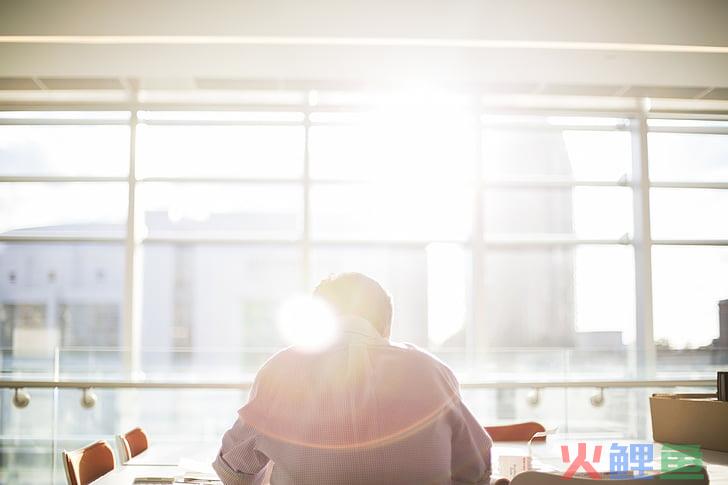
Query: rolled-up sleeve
(239,462)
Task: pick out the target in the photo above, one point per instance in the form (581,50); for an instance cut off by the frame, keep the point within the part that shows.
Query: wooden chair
(131,444)
(516,432)
(684,476)
(85,465)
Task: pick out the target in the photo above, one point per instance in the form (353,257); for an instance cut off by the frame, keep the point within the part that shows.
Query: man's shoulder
(423,358)
(281,357)
(408,357)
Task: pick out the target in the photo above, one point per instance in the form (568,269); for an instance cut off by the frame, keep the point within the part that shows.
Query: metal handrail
(134,384)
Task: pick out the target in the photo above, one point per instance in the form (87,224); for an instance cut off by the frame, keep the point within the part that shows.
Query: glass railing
(598,393)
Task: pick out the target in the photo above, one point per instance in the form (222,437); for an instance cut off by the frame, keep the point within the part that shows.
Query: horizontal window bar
(520,106)
(540,242)
(698,130)
(219,123)
(691,185)
(60,238)
(690,242)
(517,183)
(60,178)
(220,116)
(232,240)
(222,180)
(73,122)
(556,183)
(201,239)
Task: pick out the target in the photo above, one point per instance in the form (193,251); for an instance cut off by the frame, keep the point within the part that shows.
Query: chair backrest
(132,443)
(516,432)
(85,465)
(681,476)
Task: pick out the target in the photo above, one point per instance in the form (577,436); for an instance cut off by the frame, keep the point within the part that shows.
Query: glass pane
(214,298)
(674,363)
(26,447)
(570,154)
(391,212)
(547,297)
(582,212)
(64,208)
(688,282)
(249,211)
(601,271)
(401,148)
(688,157)
(220,151)
(506,406)
(64,150)
(423,283)
(58,295)
(689,213)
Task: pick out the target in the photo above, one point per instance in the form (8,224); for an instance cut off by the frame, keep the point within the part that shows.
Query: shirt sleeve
(470,461)
(239,462)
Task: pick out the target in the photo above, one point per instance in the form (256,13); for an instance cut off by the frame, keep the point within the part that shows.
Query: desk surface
(163,459)
(170,454)
(125,475)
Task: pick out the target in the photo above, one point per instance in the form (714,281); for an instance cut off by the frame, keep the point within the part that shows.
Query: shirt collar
(354,327)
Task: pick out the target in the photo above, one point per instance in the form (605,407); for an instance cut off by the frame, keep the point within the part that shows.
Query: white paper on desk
(512,465)
(195,466)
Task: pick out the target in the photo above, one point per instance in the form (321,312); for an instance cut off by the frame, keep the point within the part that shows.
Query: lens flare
(307,323)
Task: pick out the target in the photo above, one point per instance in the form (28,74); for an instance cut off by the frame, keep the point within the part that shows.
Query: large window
(489,231)
(689,197)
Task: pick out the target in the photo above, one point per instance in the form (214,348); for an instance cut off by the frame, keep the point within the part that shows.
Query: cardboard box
(698,419)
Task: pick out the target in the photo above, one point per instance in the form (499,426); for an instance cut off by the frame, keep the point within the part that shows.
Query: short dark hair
(359,295)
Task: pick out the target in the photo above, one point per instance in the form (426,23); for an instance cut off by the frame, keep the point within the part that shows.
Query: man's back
(364,411)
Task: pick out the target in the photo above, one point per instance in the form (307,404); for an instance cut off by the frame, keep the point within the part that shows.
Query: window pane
(64,150)
(89,325)
(601,271)
(250,211)
(391,212)
(689,213)
(546,297)
(571,154)
(416,280)
(688,283)
(401,148)
(220,151)
(63,208)
(60,295)
(215,298)
(582,212)
(688,157)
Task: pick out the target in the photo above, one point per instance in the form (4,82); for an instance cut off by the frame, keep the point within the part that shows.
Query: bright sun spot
(307,323)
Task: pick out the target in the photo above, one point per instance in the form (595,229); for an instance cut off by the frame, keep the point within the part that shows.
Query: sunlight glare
(307,323)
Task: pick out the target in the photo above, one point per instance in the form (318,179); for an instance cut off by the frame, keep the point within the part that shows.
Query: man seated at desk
(363,411)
